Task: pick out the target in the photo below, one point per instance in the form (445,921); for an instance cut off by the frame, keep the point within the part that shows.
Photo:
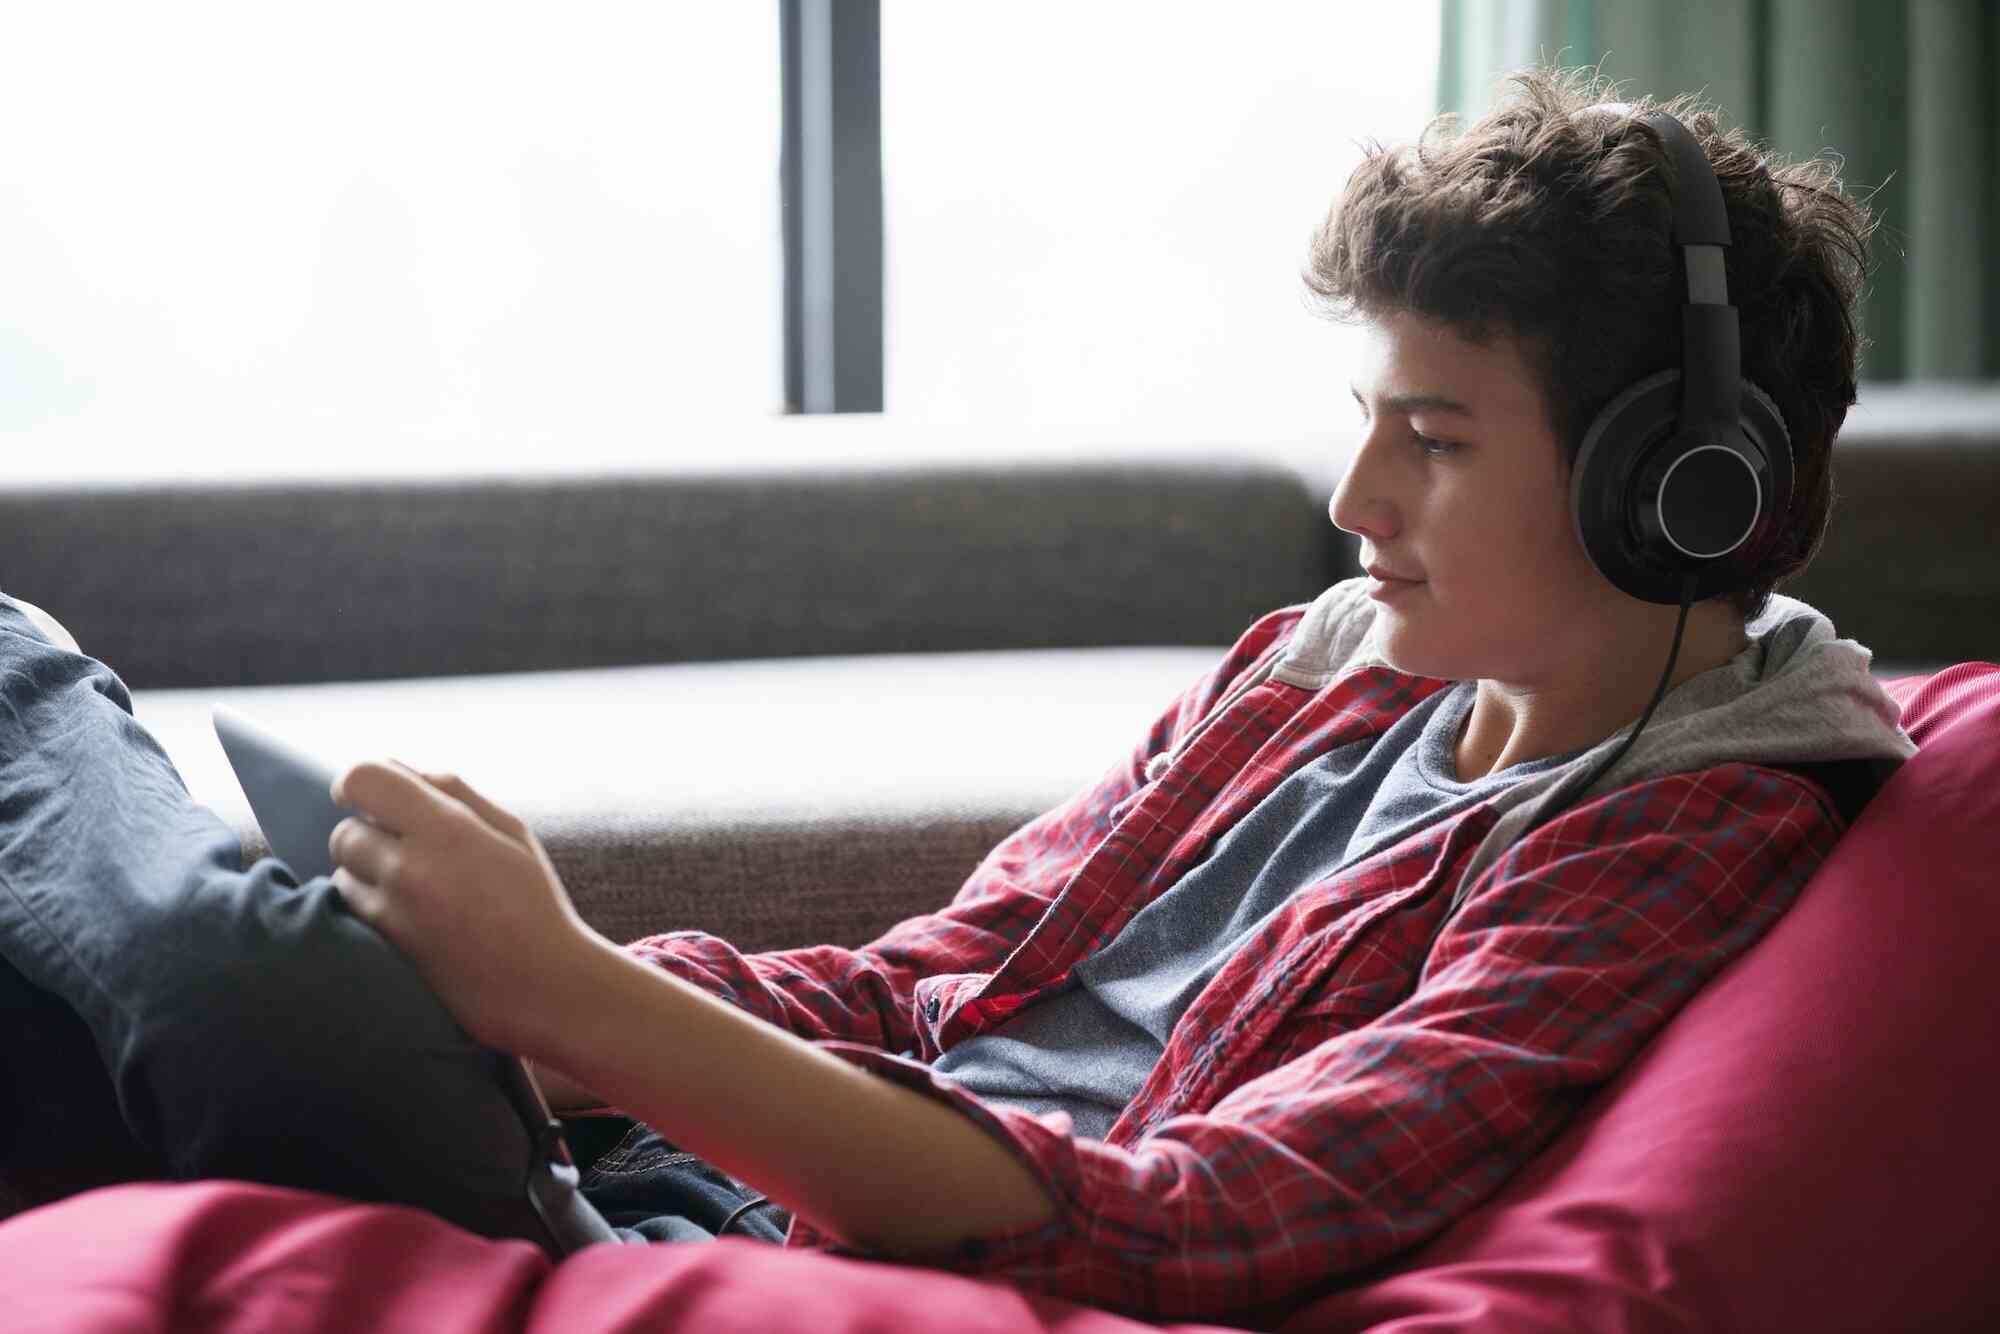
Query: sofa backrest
(269,583)
(274,583)
(1910,565)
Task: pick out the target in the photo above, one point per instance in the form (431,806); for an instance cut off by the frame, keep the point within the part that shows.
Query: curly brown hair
(1555,228)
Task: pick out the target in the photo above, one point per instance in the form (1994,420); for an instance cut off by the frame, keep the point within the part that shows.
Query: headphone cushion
(1640,422)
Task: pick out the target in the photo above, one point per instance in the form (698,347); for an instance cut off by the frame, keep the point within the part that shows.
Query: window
(1096,214)
(241,239)
(383,237)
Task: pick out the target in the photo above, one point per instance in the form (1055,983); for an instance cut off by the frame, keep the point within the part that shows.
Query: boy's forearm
(563,1093)
(875,1164)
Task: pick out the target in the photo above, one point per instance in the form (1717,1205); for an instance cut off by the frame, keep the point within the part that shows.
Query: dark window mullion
(831,197)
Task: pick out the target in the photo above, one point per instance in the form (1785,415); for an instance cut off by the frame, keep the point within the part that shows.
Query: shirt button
(931,1009)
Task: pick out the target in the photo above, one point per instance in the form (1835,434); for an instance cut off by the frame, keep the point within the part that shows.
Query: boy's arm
(564,1093)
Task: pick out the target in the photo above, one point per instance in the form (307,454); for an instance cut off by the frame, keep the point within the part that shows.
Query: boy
(1339,946)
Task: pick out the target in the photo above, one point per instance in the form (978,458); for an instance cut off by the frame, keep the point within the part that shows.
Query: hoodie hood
(1798,694)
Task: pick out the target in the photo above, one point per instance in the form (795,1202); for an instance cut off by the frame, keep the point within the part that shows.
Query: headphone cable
(1659,693)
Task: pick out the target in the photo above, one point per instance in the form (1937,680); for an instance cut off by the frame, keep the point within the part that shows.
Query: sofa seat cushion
(774,802)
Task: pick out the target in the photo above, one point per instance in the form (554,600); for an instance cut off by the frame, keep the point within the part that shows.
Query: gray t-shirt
(1087,1048)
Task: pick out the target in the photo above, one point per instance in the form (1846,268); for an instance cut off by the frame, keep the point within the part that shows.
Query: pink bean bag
(1809,1145)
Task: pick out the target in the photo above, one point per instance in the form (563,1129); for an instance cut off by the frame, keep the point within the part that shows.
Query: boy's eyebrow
(1407,403)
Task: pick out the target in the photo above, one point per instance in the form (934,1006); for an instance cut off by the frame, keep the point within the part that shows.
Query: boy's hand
(466,891)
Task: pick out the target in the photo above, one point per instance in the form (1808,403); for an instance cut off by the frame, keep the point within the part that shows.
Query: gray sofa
(794,706)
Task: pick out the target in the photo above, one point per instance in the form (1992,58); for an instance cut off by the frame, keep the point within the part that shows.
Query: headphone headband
(1700,216)
(1658,492)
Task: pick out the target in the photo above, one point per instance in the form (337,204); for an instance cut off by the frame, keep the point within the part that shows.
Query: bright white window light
(385,237)
(1097,212)
(242,238)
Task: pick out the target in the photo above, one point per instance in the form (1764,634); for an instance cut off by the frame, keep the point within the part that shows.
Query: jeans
(166,1013)
(648,1190)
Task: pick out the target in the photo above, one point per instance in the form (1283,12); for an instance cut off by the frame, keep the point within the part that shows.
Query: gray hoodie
(1796,695)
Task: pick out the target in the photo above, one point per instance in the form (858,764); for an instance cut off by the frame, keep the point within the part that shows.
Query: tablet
(291,795)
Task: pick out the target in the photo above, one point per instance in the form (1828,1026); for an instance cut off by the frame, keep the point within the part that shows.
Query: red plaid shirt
(1343,1088)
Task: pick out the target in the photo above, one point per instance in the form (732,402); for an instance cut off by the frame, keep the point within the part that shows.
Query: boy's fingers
(387,795)
(394,795)
(363,899)
(484,809)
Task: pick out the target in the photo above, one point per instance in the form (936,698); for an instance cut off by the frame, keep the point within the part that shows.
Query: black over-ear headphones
(1687,472)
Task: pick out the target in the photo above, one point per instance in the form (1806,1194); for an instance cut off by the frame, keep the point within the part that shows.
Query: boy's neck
(1510,724)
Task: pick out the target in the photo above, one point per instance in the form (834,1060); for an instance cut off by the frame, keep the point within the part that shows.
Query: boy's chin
(1406,652)
(1401,653)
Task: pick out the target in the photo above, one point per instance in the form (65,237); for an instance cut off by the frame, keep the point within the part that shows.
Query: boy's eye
(1433,447)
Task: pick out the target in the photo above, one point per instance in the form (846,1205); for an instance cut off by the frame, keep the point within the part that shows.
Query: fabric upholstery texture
(775,802)
(267,583)
(233,1258)
(1907,566)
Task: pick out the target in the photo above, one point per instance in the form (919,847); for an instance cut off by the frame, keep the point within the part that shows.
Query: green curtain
(1903,93)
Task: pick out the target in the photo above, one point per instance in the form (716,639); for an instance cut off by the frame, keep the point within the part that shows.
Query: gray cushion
(1910,566)
(275,583)
(802,801)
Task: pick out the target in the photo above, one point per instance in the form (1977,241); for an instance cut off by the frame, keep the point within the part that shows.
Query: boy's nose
(1360,507)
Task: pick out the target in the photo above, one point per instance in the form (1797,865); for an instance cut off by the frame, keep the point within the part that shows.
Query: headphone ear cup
(1600,481)
(1608,511)
(1764,426)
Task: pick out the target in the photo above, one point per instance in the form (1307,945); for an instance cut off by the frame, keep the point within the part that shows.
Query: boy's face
(1458,485)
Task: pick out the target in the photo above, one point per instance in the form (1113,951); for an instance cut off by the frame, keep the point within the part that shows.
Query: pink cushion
(227,1257)
(1811,1144)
